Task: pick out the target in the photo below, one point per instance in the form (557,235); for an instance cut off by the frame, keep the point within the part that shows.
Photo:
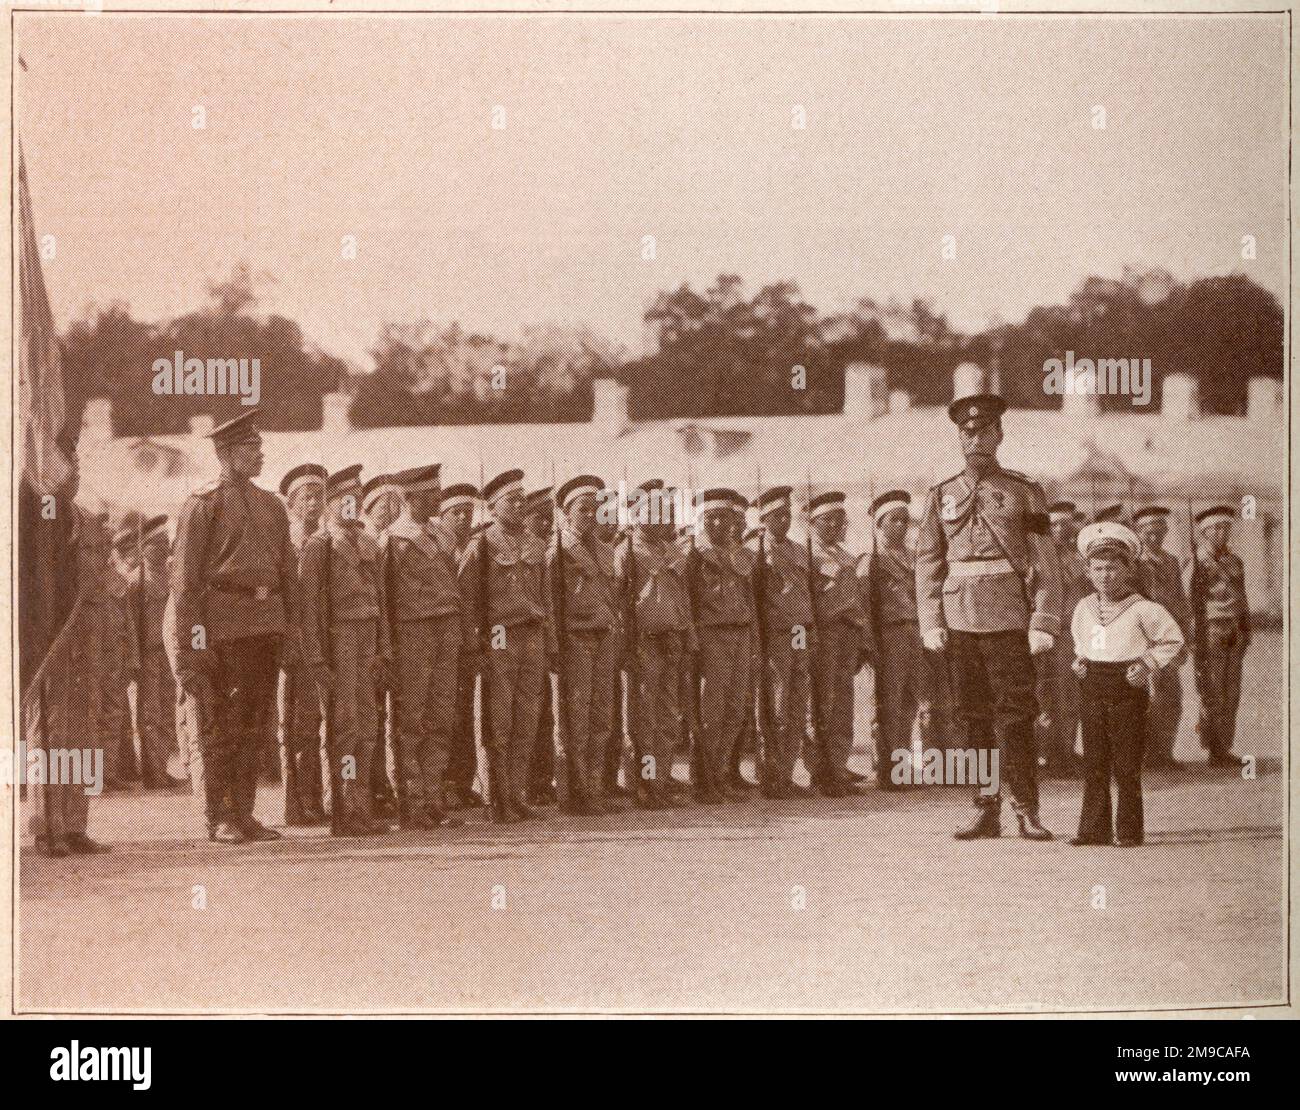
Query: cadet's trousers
(1058,696)
(838,646)
(1218,682)
(356,714)
(724,695)
(1114,728)
(233,729)
(785,720)
(1164,714)
(655,717)
(613,759)
(426,654)
(541,772)
(515,673)
(155,711)
(462,758)
(589,669)
(115,713)
(898,693)
(302,718)
(993,688)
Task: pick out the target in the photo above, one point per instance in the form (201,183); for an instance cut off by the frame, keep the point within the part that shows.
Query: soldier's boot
(353,821)
(54,846)
(522,810)
(226,832)
(1030,828)
(411,813)
(987,824)
(80,844)
(436,811)
(498,787)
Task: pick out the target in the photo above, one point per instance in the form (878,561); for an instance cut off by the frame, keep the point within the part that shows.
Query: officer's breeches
(426,654)
(724,694)
(993,688)
(1218,681)
(356,715)
(155,708)
(515,673)
(787,722)
(232,729)
(837,658)
(589,670)
(654,719)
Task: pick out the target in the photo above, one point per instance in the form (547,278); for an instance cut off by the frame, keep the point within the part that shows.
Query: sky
(618,128)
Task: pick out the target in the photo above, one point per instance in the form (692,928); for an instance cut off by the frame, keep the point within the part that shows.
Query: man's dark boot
(79,844)
(1030,829)
(412,814)
(986,826)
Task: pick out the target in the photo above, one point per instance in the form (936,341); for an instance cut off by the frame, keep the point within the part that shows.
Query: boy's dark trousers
(1114,735)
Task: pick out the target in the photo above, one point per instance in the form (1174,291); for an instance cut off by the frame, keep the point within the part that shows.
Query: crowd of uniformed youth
(405,626)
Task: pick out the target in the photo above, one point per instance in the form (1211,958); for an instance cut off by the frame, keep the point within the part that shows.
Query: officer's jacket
(660,587)
(236,571)
(984,560)
(422,570)
(518,586)
(590,589)
(722,587)
(356,588)
(156,588)
(1161,579)
(789,604)
(1075,583)
(1216,588)
(121,640)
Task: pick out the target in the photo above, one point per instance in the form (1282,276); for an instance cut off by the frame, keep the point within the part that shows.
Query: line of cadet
(629,638)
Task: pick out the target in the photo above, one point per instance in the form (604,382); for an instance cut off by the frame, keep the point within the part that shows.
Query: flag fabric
(42,405)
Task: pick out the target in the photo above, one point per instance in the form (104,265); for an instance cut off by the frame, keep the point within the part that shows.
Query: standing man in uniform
(236,586)
(1216,589)
(790,639)
(984,538)
(381,503)
(155,698)
(422,584)
(539,514)
(518,639)
(1160,578)
(119,662)
(606,531)
(590,612)
(845,643)
(303,490)
(1057,687)
(459,503)
(351,620)
(724,618)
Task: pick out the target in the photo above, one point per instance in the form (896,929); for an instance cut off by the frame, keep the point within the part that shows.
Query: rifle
(632,658)
(1196,593)
(763,718)
(564,775)
(337,815)
(495,784)
(820,774)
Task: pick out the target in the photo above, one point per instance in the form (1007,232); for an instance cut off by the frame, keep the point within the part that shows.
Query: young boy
(1120,640)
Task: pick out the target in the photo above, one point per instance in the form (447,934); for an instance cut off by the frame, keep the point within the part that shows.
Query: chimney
(609,406)
(334,414)
(97,421)
(1263,399)
(201,425)
(899,400)
(969,378)
(1180,399)
(866,392)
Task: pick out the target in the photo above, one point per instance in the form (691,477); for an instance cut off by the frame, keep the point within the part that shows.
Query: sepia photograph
(592,513)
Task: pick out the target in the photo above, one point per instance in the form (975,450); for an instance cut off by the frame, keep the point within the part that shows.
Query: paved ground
(692,910)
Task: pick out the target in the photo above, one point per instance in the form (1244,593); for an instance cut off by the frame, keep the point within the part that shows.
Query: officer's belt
(980,568)
(257,593)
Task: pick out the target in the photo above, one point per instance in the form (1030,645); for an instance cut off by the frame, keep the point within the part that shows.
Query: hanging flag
(42,405)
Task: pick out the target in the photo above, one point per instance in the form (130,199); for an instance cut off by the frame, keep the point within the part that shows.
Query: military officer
(1160,578)
(506,589)
(1216,590)
(155,701)
(1057,687)
(720,571)
(652,568)
(588,608)
(236,589)
(381,503)
(460,502)
(845,643)
(303,489)
(983,542)
(346,645)
(539,520)
(789,640)
(424,600)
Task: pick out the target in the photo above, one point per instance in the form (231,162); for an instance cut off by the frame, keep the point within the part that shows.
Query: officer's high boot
(1030,828)
(987,824)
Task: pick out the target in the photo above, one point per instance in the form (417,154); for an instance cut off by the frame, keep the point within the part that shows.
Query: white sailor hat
(1108,537)
(825,503)
(889,502)
(1215,515)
